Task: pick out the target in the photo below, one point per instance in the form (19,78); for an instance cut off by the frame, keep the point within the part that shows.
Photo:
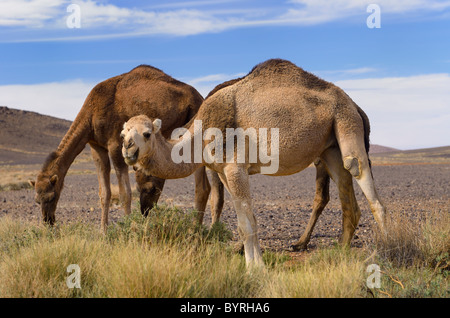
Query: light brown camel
(313,118)
(322,195)
(143,90)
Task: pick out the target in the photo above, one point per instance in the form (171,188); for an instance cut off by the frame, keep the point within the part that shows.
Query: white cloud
(59,99)
(321,11)
(185,4)
(52,14)
(34,13)
(101,19)
(405,112)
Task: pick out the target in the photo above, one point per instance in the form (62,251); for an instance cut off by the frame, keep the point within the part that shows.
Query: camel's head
(137,135)
(47,195)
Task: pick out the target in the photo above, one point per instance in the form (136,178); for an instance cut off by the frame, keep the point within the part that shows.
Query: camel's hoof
(238,248)
(298,247)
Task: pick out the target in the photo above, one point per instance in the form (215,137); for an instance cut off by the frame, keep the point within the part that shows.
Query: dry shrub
(415,242)
(336,272)
(401,244)
(436,243)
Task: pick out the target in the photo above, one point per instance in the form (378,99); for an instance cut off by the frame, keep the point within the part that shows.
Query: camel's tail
(366,124)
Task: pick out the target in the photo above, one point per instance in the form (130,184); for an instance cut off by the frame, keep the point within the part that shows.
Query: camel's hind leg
(343,179)
(217,197)
(366,183)
(356,161)
(101,160)
(320,201)
(236,180)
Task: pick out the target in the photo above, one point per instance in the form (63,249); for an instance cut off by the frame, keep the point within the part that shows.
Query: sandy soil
(282,205)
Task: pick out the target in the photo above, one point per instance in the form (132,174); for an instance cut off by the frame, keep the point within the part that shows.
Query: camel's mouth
(131,160)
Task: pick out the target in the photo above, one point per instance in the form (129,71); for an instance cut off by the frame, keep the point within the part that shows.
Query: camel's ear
(32,183)
(54,179)
(156,125)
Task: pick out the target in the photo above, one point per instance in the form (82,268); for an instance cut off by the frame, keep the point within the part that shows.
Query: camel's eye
(147,135)
(122,136)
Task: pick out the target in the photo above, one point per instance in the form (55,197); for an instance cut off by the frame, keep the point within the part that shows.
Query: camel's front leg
(101,160)
(237,183)
(202,190)
(122,178)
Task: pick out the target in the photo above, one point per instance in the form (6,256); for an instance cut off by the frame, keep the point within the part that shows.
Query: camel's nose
(129,144)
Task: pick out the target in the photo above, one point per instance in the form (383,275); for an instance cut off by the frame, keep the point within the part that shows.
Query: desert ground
(414,183)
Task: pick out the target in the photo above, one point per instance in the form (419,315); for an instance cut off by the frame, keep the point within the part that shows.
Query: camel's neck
(71,145)
(163,164)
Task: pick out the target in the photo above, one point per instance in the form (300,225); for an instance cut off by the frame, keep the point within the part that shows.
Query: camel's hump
(274,67)
(271,65)
(148,68)
(282,68)
(149,72)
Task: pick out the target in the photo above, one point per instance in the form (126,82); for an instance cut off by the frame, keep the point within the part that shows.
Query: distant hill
(436,155)
(380,149)
(28,137)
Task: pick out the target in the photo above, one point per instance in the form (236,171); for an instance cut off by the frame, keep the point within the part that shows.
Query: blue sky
(399,73)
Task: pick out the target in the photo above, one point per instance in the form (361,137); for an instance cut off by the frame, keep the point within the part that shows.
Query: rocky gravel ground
(282,205)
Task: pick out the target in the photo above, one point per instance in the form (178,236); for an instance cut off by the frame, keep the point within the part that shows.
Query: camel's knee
(353,165)
(201,199)
(104,194)
(202,191)
(125,195)
(321,201)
